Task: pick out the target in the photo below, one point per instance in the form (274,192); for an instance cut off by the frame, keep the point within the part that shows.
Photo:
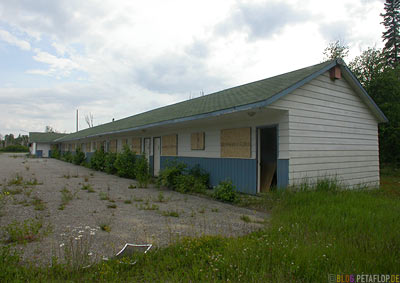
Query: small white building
(311,123)
(40,144)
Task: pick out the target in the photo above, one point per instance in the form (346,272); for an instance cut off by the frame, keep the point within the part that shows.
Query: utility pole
(76,119)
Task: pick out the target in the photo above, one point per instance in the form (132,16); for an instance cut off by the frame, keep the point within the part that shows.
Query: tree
(49,129)
(367,66)
(335,50)
(385,90)
(391,21)
(89,120)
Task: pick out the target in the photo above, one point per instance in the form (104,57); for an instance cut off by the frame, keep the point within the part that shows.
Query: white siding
(332,133)
(45,147)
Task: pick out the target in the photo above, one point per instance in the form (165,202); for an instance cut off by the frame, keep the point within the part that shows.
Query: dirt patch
(84,211)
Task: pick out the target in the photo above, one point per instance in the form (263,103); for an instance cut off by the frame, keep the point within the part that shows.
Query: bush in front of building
(189,183)
(142,171)
(109,163)
(67,156)
(177,176)
(125,163)
(169,175)
(15,148)
(97,162)
(55,153)
(225,191)
(79,157)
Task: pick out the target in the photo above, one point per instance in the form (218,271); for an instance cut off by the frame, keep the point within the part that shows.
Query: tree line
(378,71)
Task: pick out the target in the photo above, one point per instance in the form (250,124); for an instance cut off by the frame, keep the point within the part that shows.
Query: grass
(38,203)
(88,188)
(147,206)
(105,227)
(104,196)
(21,233)
(127,201)
(113,205)
(132,186)
(170,213)
(66,197)
(311,234)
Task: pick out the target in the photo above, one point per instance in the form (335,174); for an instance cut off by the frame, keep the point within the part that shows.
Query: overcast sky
(116,58)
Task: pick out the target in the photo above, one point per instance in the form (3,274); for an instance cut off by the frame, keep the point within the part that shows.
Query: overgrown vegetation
(312,233)
(142,171)
(15,148)
(21,233)
(226,192)
(124,163)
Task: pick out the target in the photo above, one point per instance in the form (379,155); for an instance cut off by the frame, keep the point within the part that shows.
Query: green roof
(231,98)
(44,137)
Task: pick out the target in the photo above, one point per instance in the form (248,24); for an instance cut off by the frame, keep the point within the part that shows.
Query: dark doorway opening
(267,158)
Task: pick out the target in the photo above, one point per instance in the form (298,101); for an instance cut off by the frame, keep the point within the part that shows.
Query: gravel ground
(133,215)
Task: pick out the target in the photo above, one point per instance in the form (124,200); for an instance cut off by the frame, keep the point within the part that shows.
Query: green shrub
(225,191)
(189,183)
(109,162)
(79,157)
(55,153)
(67,156)
(15,148)
(201,174)
(142,171)
(97,162)
(168,176)
(125,163)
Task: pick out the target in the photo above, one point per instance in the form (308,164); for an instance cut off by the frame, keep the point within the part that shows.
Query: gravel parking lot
(78,206)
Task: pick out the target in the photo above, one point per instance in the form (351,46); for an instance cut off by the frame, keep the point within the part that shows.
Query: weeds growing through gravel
(105,227)
(147,206)
(17,180)
(28,231)
(132,186)
(113,205)
(245,218)
(170,213)
(88,188)
(104,196)
(66,197)
(38,203)
(127,201)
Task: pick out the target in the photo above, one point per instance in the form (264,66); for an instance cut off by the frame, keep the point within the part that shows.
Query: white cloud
(11,39)
(131,56)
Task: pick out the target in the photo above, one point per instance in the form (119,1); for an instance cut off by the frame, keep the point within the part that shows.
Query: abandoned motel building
(312,123)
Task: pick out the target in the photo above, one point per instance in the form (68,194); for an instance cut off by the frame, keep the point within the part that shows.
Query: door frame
(258,151)
(154,154)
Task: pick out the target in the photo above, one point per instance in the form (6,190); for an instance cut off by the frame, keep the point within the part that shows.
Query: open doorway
(267,158)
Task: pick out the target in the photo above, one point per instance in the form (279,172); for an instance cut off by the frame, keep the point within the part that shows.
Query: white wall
(45,147)
(331,133)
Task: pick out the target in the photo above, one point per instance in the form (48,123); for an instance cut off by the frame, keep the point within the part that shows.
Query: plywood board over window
(169,145)
(236,143)
(88,149)
(197,141)
(124,142)
(113,146)
(137,145)
(98,145)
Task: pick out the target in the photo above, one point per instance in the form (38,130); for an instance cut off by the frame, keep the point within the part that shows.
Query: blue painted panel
(50,153)
(151,164)
(89,156)
(242,172)
(283,173)
(39,153)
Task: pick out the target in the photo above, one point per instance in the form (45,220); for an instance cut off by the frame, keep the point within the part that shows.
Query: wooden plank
(236,143)
(197,141)
(137,145)
(169,145)
(113,146)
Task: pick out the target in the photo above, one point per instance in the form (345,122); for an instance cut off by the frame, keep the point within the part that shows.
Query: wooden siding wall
(332,133)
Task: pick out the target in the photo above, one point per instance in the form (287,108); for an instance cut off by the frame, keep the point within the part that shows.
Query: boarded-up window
(98,145)
(124,142)
(236,143)
(169,145)
(113,146)
(197,141)
(88,149)
(137,145)
(73,147)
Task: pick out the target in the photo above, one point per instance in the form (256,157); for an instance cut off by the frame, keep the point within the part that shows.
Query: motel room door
(157,155)
(267,158)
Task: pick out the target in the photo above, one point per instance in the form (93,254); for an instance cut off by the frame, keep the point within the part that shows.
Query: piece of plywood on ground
(197,141)
(137,145)
(267,175)
(236,143)
(169,145)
